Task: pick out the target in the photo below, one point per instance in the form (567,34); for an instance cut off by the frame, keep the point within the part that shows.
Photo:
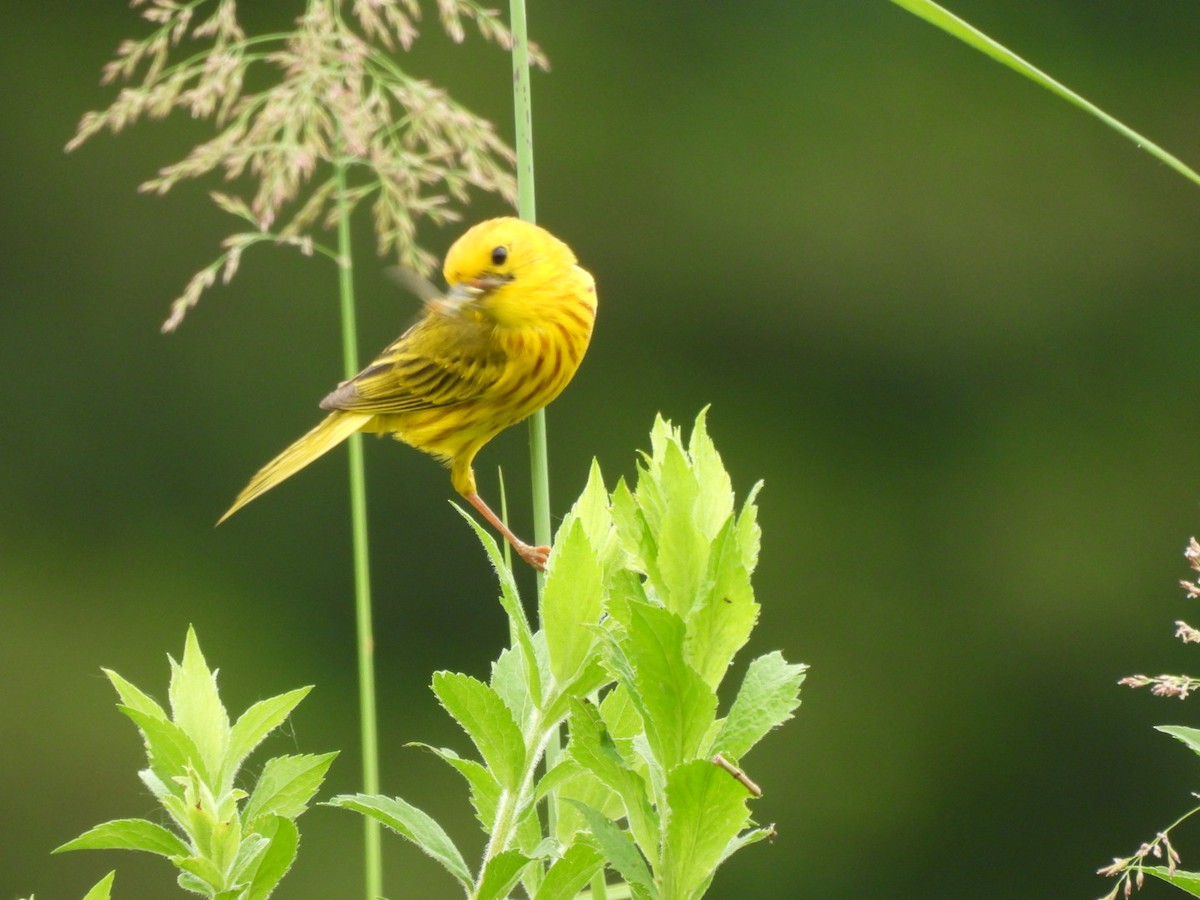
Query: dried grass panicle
(388,23)
(332,95)
(1163,685)
(489,24)
(1130,871)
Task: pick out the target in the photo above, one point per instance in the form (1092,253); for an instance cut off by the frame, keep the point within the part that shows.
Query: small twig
(738,774)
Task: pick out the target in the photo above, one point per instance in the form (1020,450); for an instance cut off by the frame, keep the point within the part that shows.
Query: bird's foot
(535,556)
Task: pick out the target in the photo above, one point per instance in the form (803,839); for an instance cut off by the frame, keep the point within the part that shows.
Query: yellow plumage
(500,344)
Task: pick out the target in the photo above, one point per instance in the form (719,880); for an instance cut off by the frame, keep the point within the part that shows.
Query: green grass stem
(368,717)
(527,209)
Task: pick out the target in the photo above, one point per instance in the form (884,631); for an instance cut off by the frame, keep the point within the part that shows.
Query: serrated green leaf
(413,824)
(571,603)
(706,810)
(196,706)
(714,503)
(249,854)
(487,721)
(1189,736)
(590,679)
(632,738)
(626,586)
(678,707)
(749,534)
(720,622)
(134,698)
(563,771)
(520,634)
(168,749)
(633,531)
(570,873)
(650,476)
(618,849)
(587,789)
(745,839)
(593,748)
(128,834)
(204,870)
(592,508)
(500,873)
(509,681)
(620,715)
(673,473)
(769,694)
(161,792)
(1188,882)
(531,842)
(102,889)
(254,725)
(975,38)
(682,544)
(278,858)
(194,885)
(485,790)
(287,785)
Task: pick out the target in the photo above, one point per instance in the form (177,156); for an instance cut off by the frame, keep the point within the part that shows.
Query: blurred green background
(949,319)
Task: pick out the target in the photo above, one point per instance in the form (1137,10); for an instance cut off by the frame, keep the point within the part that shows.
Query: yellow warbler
(500,344)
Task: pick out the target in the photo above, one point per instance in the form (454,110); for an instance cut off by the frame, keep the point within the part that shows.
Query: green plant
(647,599)
(102,890)
(332,123)
(224,848)
(1130,871)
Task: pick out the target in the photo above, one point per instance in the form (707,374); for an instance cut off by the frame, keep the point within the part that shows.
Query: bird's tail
(334,429)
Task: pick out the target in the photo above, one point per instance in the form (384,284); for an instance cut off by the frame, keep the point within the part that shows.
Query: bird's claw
(535,556)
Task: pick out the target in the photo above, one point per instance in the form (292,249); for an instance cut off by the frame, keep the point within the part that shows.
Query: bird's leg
(535,556)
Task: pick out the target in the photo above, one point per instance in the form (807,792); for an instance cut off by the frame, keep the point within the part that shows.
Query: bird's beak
(475,287)
(463,292)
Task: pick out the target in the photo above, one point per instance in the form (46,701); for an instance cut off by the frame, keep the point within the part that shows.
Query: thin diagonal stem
(372,861)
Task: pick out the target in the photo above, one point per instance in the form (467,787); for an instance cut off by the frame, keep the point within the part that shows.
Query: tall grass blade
(973,37)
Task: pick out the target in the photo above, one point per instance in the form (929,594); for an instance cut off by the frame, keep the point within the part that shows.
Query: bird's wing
(443,360)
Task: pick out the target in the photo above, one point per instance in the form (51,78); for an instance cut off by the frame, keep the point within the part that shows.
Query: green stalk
(523,114)
(526,209)
(504,823)
(372,861)
(538,453)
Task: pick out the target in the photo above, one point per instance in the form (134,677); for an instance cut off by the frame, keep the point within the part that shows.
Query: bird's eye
(499,255)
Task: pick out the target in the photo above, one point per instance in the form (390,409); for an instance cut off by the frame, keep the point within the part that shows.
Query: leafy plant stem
(527,209)
(372,860)
(511,802)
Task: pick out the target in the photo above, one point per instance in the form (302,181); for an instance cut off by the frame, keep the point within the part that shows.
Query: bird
(500,343)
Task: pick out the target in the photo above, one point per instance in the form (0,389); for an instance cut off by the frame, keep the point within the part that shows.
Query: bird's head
(506,264)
